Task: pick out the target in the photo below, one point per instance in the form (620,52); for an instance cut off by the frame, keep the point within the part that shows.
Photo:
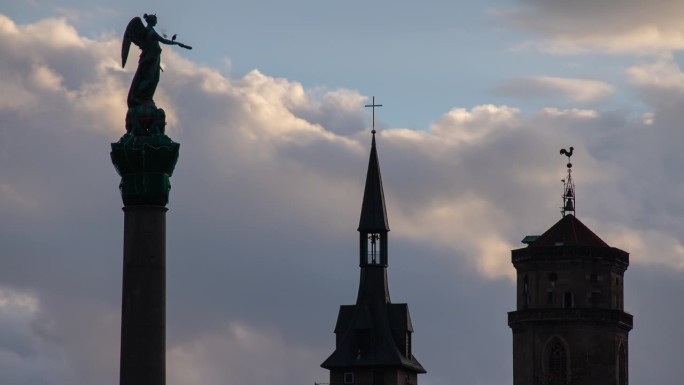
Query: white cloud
(645,40)
(572,90)
(648,247)
(454,224)
(463,126)
(648,118)
(663,73)
(575,113)
(17,304)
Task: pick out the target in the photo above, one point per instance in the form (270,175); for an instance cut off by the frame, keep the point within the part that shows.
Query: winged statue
(146,76)
(145,156)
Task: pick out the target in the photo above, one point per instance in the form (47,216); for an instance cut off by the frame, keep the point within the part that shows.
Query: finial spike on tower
(373,105)
(568,186)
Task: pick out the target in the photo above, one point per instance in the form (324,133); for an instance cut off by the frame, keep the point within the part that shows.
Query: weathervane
(373,106)
(568,186)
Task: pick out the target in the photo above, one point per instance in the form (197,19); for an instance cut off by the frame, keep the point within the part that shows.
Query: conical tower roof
(373,212)
(569,231)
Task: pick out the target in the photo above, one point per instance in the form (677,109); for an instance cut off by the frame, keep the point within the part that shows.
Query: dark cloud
(604,26)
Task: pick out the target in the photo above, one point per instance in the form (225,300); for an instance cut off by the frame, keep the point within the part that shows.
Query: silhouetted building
(373,337)
(569,326)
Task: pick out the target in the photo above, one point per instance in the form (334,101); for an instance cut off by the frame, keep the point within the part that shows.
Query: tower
(569,326)
(373,337)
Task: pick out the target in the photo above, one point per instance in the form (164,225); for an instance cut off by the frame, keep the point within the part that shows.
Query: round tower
(569,326)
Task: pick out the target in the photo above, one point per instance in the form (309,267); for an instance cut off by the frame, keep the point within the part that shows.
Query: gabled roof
(569,231)
(373,213)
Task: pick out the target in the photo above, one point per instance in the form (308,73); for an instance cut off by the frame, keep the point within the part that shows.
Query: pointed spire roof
(569,231)
(373,212)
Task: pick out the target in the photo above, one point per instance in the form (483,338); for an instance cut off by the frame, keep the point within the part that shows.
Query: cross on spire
(373,106)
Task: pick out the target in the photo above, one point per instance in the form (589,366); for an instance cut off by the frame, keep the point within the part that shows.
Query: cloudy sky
(268,108)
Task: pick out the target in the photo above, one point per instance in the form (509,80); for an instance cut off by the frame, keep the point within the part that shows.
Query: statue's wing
(135,32)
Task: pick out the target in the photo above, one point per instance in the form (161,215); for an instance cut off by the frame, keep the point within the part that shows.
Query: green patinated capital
(145,157)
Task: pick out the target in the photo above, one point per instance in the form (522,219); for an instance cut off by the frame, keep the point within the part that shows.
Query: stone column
(145,159)
(143,308)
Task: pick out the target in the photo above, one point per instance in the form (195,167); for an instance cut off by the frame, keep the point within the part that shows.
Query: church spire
(373,336)
(373,212)
(373,225)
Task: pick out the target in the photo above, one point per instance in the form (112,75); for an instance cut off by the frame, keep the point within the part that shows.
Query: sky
(478,99)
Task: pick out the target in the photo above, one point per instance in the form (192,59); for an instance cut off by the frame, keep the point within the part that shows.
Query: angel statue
(145,156)
(147,75)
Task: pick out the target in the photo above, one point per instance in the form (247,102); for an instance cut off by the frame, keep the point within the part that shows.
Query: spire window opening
(373,257)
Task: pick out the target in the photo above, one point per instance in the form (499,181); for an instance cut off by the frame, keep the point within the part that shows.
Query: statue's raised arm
(147,75)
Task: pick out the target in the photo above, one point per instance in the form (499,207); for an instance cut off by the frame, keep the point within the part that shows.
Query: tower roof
(382,328)
(373,212)
(569,231)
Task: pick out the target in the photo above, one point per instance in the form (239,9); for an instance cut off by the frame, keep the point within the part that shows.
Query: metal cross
(373,106)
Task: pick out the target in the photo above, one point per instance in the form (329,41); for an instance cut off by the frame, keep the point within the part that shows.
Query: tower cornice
(524,317)
(580,254)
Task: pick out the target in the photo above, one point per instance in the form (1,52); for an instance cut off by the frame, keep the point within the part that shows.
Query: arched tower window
(556,363)
(622,365)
